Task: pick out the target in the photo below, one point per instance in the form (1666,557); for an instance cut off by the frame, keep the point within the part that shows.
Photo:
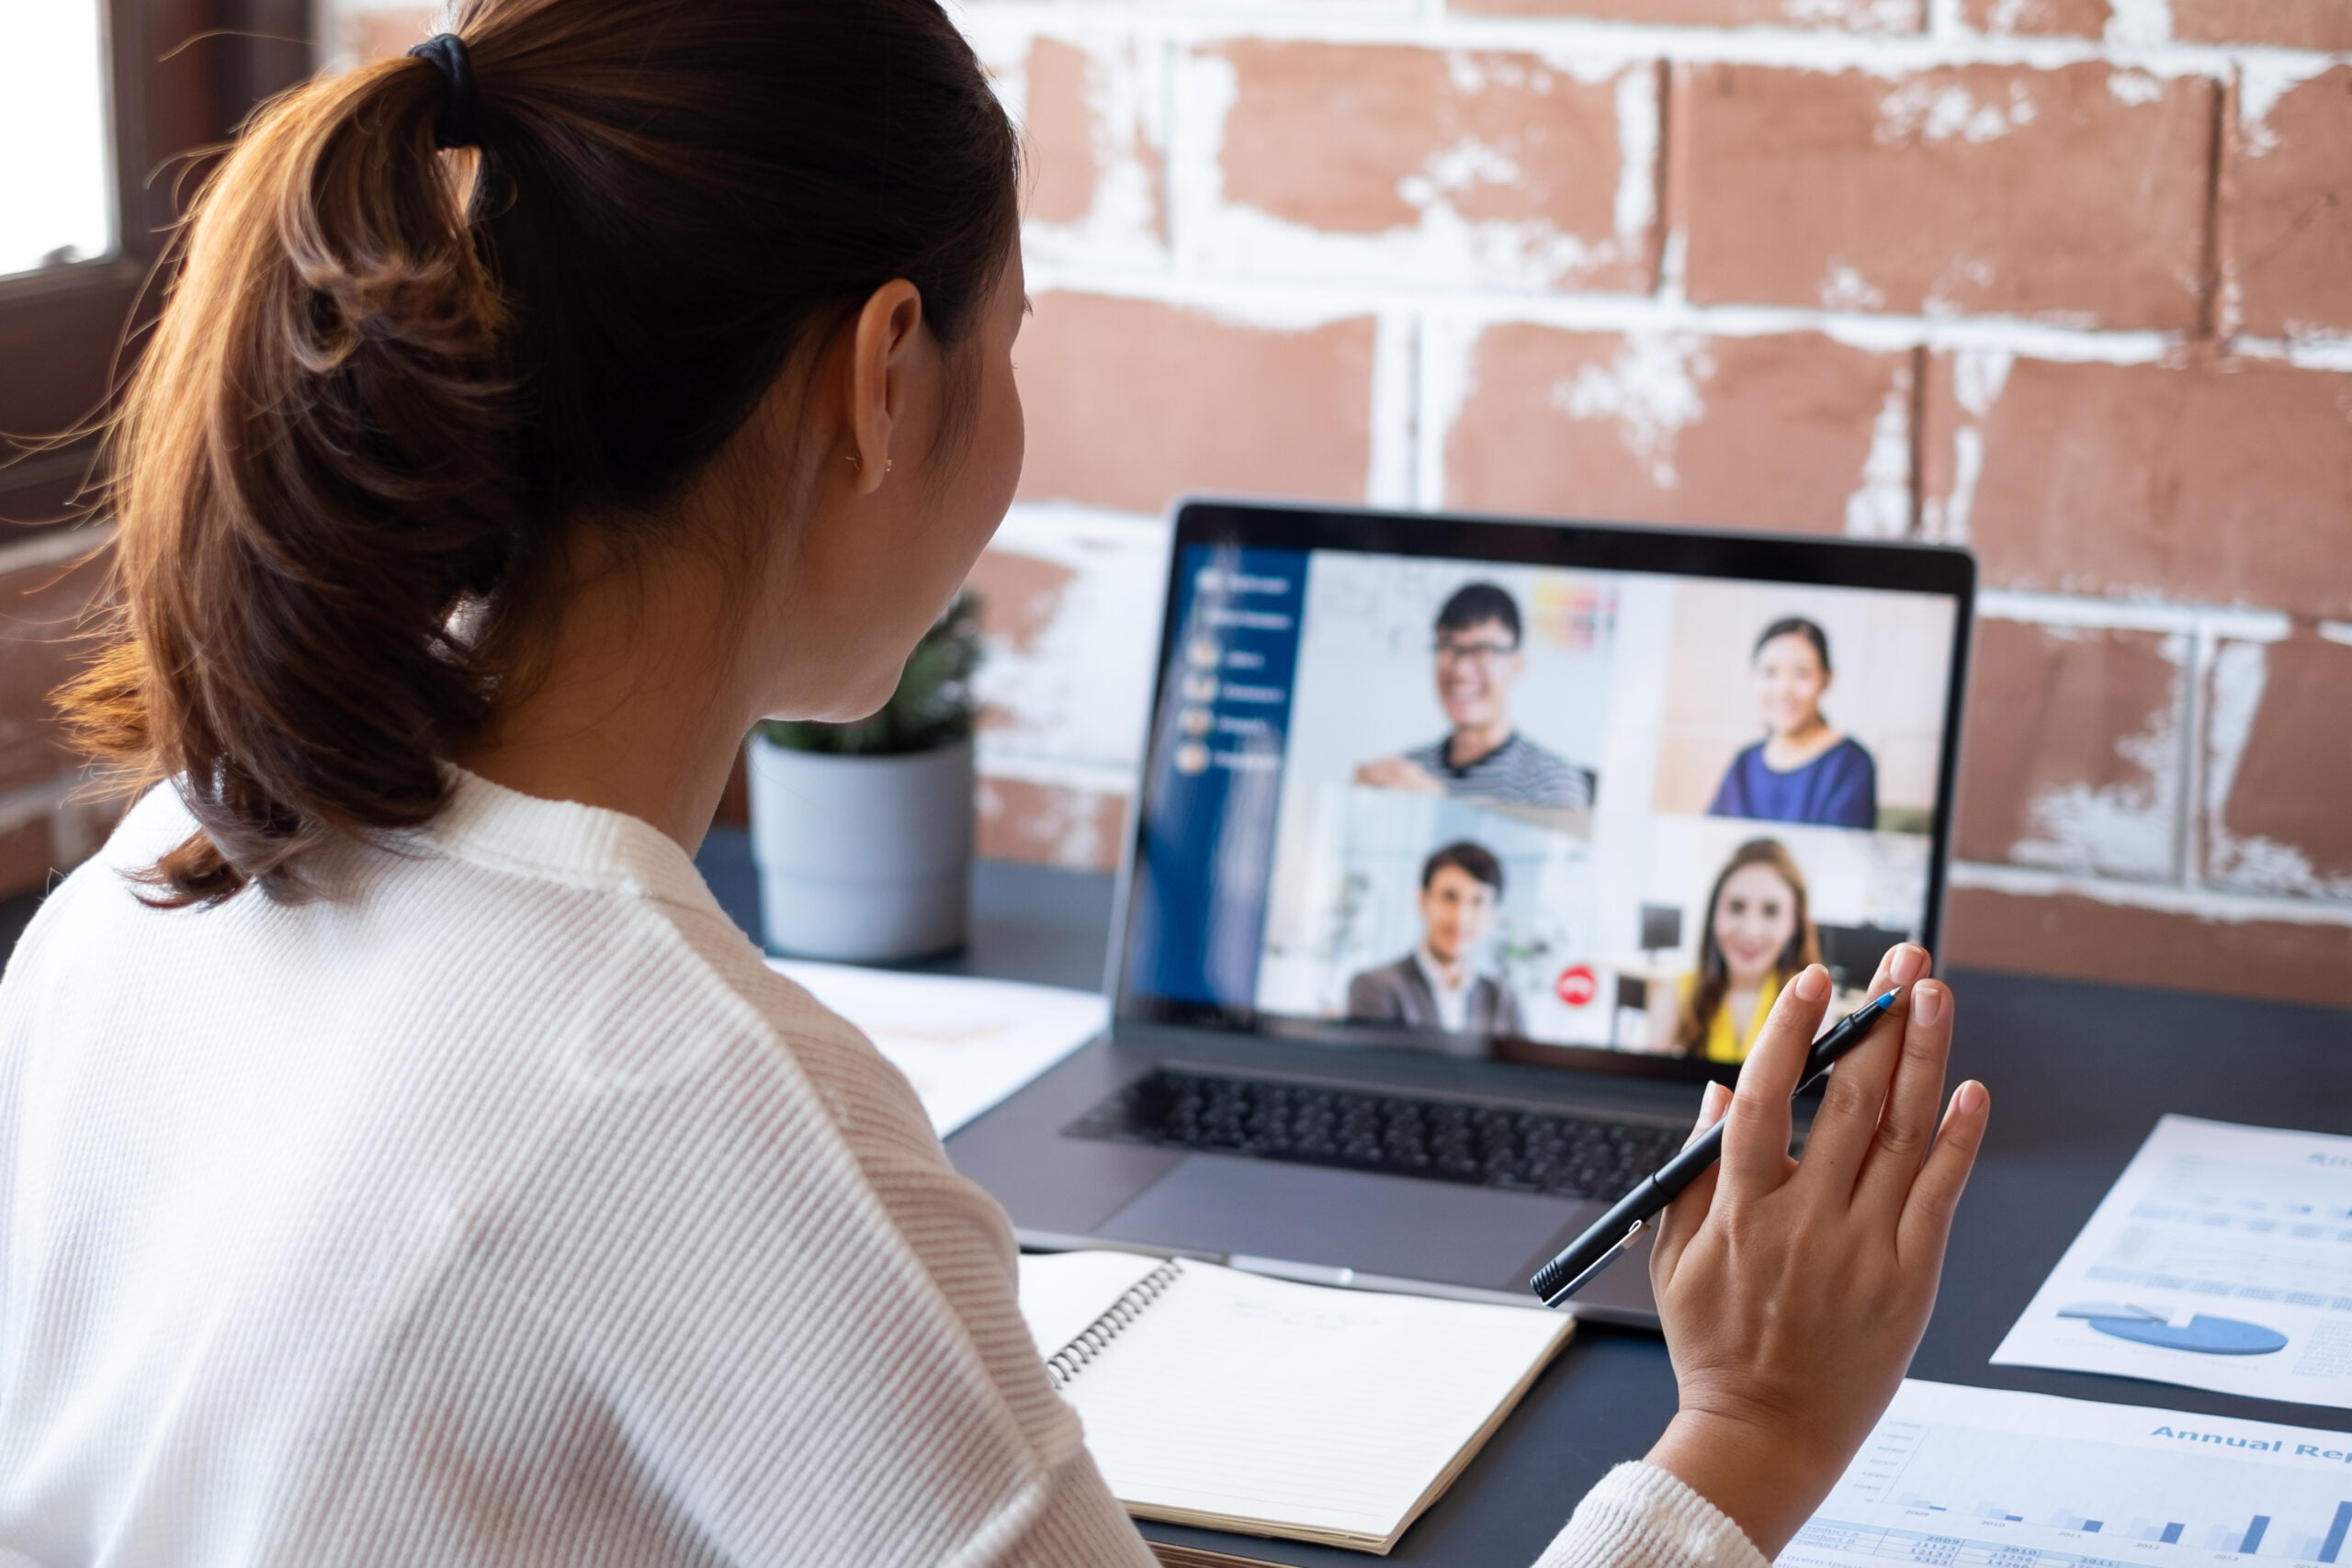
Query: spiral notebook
(1234,1402)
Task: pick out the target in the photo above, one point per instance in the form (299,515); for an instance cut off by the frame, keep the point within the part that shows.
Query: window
(102,102)
(60,202)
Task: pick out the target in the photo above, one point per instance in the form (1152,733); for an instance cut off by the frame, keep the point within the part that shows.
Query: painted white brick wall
(1160,227)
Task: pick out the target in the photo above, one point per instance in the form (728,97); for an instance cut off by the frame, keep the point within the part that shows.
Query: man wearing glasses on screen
(1478,660)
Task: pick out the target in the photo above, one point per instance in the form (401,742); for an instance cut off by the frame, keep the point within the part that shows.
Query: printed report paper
(964,1044)
(1977,1476)
(2222,1259)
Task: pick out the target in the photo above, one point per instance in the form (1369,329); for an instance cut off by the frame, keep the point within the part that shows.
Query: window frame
(182,75)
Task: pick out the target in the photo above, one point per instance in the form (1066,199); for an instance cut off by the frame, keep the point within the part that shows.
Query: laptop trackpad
(1375,1225)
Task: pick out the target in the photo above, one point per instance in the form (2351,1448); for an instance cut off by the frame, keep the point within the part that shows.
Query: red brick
(1060,127)
(1073,147)
(1850,16)
(2290,209)
(2004,19)
(1361,140)
(2275,787)
(1132,403)
(2076,195)
(1763,433)
(42,643)
(1020,595)
(1051,825)
(2071,757)
(2291,24)
(2223,482)
(2082,938)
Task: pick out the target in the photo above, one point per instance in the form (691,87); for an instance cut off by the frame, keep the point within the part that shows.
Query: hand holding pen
(1608,1237)
(1794,1290)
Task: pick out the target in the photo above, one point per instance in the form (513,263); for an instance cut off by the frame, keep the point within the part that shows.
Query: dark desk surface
(2079,1074)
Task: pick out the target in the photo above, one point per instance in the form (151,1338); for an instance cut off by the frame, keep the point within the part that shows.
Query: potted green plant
(863,832)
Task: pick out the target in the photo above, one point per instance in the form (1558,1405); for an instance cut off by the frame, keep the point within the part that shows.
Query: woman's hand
(1793,1292)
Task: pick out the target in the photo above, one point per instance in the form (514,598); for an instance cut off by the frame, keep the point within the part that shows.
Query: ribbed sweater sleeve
(501,1206)
(1641,1516)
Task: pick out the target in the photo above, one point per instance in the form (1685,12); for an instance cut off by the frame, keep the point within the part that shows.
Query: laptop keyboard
(1439,1140)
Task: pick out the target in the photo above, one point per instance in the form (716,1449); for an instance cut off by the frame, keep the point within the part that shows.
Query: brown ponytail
(390,377)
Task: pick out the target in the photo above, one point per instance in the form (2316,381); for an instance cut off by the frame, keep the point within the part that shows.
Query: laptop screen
(1531,792)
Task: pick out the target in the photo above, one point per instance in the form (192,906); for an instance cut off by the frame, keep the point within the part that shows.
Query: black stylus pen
(1581,1261)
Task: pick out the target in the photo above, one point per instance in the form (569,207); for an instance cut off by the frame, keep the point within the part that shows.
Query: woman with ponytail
(402,1160)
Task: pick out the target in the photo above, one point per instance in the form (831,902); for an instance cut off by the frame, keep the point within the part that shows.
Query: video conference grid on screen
(1456,800)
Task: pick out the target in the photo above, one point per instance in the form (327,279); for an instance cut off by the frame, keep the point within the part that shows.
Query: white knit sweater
(503,1208)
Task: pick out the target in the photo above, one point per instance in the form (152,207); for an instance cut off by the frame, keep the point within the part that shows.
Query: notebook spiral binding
(1095,1337)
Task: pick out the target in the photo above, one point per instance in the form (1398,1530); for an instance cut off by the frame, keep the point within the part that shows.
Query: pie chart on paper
(2202,1334)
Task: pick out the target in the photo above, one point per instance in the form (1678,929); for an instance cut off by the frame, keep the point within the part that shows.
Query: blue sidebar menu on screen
(1216,773)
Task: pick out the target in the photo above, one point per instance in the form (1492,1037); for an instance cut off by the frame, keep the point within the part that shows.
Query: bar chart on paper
(1996,1479)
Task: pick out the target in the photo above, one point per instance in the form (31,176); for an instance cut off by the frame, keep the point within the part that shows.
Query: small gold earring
(888,463)
(853,459)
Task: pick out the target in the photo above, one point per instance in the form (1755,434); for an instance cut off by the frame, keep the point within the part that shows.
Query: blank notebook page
(1327,1414)
(1061,1292)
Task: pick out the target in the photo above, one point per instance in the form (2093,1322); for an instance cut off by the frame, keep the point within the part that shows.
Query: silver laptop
(1464,850)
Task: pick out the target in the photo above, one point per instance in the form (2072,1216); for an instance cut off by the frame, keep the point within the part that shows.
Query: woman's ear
(885,347)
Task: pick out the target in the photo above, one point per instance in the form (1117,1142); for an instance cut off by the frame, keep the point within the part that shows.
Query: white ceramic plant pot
(864,859)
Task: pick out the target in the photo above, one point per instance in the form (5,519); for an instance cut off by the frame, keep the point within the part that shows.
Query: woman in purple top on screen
(1804,770)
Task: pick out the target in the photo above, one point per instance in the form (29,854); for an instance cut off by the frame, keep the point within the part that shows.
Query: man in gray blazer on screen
(1435,987)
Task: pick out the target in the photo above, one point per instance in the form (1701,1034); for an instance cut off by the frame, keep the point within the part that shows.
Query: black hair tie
(459,123)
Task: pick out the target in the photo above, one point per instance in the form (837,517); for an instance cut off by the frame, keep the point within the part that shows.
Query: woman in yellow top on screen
(1759,932)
